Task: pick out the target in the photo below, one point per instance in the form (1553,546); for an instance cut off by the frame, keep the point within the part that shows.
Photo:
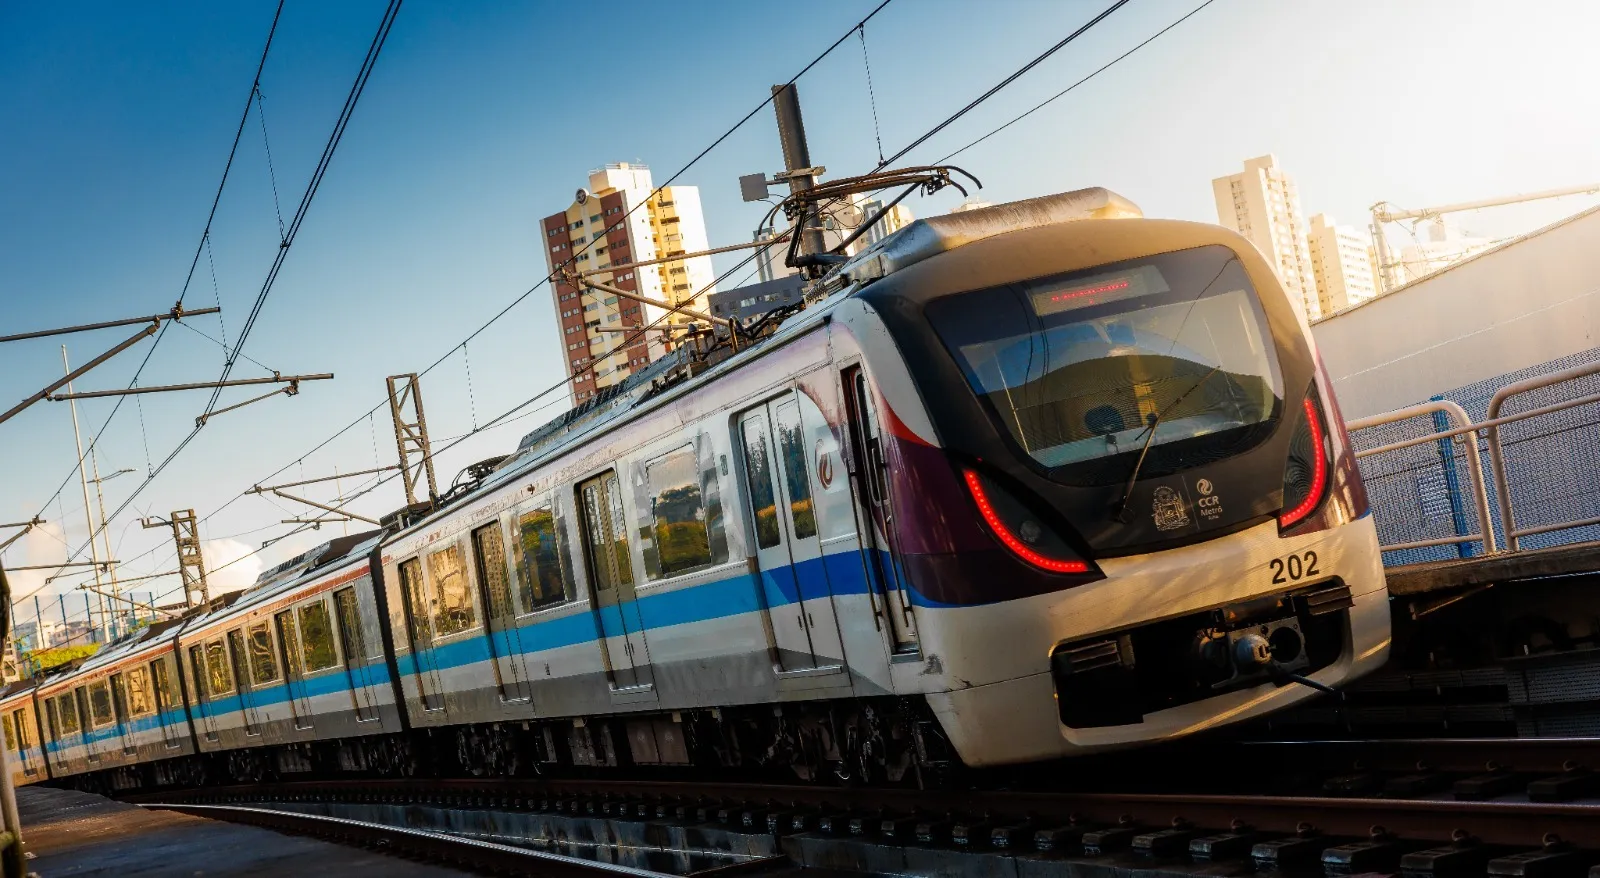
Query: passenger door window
(541,581)
(263,664)
(352,641)
(490,551)
(316,638)
(453,610)
(101,712)
(219,680)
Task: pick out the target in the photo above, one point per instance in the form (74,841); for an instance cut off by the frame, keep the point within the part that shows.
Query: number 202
(1294,567)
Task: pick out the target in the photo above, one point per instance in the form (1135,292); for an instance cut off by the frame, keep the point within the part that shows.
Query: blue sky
(482,118)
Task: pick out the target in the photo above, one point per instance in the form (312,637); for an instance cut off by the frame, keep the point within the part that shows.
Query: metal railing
(1462,431)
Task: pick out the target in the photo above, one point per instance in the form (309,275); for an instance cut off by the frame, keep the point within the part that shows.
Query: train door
(294,679)
(119,699)
(202,692)
(23,720)
(91,719)
(870,474)
(357,664)
(611,582)
(797,478)
(167,705)
(776,557)
(419,612)
(494,584)
(241,675)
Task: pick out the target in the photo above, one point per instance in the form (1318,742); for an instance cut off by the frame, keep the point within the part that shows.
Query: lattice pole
(191,560)
(411,434)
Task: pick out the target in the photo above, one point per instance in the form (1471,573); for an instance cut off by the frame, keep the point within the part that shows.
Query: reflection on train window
(607,531)
(355,647)
(219,677)
(792,448)
(100,710)
(263,664)
(7,721)
(416,599)
(758,468)
(67,711)
(24,722)
(539,580)
(163,684)
(197,672)
(141,697)
(489,548)
(452,598)
(291,643)
(316,637)
(678,516)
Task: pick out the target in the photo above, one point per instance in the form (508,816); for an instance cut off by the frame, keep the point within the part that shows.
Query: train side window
(316,637)
(291,643)
(197,671)
(793,452)
(8,721)
(678,517)
(607,532)
(489,551)
(416,599)
(236,656)
(141,698)
(539,577)
(350,637)
(101,713)
(263,664)
(219,678)
(453,612)
(162,684)
(758,468)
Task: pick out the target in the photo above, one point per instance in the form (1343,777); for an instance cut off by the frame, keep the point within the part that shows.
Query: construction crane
(1384,212)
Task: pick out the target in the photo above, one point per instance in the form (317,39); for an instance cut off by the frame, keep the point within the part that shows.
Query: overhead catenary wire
(1099,70)
(1083,29)
(204,237)
(357,89)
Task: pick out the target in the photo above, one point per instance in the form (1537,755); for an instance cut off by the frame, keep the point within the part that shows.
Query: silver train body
(1026,482)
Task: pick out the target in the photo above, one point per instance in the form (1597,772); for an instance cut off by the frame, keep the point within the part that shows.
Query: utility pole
(411,435)
(83,479)
(191,560)
(800,173)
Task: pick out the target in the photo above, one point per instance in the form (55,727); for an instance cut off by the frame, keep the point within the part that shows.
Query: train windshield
(1084,369)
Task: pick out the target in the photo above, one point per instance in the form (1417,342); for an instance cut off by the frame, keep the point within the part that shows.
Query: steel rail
(480,855)
(1503,822)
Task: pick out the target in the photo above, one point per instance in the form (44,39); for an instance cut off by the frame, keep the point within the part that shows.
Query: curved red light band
(1319,475)
(1016,546)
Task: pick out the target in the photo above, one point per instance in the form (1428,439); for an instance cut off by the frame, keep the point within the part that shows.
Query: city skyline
(428,227)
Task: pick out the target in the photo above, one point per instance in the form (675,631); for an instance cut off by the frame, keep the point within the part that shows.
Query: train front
(1123,497)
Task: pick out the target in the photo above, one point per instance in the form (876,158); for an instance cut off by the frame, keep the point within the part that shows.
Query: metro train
(1024,482)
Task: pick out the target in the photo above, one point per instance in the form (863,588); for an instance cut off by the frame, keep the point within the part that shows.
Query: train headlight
(1019,530)
(1307,473)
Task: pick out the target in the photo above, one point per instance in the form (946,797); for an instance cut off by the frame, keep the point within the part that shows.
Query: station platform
(80,834)
(1416,579)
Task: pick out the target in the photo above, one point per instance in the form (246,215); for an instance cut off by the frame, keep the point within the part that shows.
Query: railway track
(1449,808)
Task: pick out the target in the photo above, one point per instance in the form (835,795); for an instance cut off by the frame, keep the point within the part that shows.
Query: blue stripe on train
(840,574)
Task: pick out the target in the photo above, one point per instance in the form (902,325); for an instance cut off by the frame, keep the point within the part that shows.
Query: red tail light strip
(1319,474)
(990,517)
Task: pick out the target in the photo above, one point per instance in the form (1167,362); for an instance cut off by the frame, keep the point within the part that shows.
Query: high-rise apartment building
(1340,264)
(594,326)
(1263,204)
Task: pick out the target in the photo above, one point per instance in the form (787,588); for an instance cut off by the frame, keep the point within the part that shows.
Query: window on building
(453,610)
(316,637)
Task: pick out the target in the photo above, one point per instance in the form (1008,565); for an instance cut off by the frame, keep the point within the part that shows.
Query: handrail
(1464,426)
(1497,457)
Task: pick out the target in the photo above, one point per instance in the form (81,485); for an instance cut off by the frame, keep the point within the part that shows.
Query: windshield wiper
(1150,436)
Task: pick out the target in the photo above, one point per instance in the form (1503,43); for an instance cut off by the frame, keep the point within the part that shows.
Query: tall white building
(1263,204)
(594,325)
(1341,265)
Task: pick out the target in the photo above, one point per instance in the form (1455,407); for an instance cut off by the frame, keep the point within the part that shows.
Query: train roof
(677,374)
(307,567)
